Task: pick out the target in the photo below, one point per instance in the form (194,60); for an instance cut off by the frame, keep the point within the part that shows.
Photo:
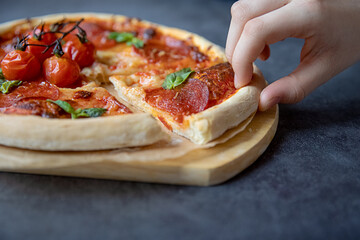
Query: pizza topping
(220,81)
(38,49)
(1,74)
(175,79)
(82,94)
(20,65)
(197,55)
(128,38)
(155,51)
(37,107)
(2,54)
(81,52)
(182,101)
(149,33)
(88,112)
(6,85)
(98,35)
(203,90)
(27,90)
(61,71)
(171,53)
(43,34)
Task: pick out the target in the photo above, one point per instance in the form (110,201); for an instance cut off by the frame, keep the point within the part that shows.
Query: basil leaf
(177,78)
(94,112)
(66,107)
(79,113)
(7,85)
(137,43)
(88,112)
(1,74)
(169,81)
(121,37)
(126,37)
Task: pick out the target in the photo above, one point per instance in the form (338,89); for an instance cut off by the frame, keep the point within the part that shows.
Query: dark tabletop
(305,186)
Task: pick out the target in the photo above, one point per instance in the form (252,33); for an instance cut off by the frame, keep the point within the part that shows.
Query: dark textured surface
(305,186)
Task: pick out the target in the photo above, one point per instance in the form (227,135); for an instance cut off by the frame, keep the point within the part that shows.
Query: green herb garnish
(126,37)
(175,79)
(87,112)
(6,85)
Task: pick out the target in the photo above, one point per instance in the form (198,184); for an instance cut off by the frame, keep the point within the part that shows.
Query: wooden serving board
(201,167)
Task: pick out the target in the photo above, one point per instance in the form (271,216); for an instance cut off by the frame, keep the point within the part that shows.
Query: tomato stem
(55,28)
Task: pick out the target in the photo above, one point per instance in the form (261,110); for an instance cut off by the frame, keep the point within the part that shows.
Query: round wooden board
(202,167)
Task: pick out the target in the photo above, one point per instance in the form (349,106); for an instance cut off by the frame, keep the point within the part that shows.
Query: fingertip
(267,100)
(243,74)
(240,82)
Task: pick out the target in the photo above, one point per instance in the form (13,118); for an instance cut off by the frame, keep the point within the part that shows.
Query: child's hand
(331,29)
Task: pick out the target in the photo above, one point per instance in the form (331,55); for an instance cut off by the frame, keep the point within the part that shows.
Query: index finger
(242,11)
(263,30)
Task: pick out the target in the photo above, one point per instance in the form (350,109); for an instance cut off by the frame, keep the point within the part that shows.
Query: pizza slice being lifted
(201,108)
(178,77)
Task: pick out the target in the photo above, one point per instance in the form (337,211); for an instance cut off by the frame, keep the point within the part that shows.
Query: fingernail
(237,83)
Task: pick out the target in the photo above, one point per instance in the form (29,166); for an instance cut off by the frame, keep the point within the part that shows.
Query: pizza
(98,81)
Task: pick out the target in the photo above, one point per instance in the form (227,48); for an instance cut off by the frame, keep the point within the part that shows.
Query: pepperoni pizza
(56,71)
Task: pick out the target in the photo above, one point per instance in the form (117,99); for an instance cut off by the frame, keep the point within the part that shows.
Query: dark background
(305,186)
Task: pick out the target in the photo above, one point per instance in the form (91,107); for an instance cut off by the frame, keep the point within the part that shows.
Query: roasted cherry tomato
(38,50)
(82,53)
(2,54)
(20,65)
(48,37)
(61,71)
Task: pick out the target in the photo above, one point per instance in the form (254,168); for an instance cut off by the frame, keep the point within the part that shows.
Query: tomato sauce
(30,99)
(35,89)
(205,89)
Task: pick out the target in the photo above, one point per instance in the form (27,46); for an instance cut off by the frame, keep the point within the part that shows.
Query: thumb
(310,74)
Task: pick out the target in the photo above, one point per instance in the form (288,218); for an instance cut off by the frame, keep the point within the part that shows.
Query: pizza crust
(33,132)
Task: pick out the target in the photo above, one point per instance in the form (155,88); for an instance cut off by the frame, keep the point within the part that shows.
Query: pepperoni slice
(35,89)
(98,35)
(36,107)
(163,51)
(220,81)
(189,99)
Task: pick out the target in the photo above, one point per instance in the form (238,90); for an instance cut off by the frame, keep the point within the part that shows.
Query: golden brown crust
(32,132)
